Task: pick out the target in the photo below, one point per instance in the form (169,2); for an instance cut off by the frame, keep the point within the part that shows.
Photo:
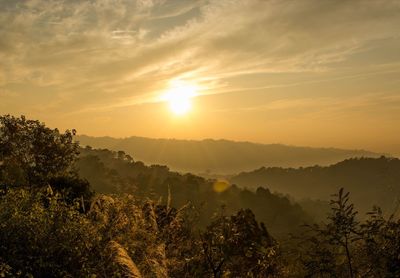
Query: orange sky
(314,73)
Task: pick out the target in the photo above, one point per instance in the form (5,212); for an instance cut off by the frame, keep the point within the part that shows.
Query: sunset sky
(311,73)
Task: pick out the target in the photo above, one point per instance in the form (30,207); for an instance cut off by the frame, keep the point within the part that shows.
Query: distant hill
(113,172)
(371,181)
(220,156)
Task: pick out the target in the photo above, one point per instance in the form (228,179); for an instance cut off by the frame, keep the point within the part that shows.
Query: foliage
(372,181)
(52,224)
(31,153)
(380,245)
(116,172)
(44,237)
(238,246)
(343,247)
(72,188)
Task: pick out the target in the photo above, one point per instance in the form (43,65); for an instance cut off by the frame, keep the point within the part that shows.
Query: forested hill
(372,181)
(147,221)
(220,156)
(116,172)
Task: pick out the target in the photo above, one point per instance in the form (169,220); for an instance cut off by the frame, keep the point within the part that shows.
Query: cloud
(106,53)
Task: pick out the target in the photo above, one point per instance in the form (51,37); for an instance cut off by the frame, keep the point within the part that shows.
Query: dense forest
(216,157)
(373,181)
(67,211)
(116,172)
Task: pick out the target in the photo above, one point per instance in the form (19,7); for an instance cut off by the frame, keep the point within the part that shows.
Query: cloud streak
(72,56)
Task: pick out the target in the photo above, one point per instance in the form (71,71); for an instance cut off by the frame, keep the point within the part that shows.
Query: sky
(310,72)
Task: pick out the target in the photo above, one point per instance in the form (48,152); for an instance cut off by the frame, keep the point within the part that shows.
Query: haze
(311,73)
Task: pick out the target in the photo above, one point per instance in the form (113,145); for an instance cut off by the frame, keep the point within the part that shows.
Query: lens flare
(220,185)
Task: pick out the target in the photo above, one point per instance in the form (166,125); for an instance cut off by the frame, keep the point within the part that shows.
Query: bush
(40,235)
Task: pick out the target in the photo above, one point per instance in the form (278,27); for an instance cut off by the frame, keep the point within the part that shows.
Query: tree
(31,154)
(342,228)
(331,243)
(379,250)
(42,236)
(240,246)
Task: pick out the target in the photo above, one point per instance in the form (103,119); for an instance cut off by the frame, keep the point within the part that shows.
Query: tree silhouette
(342,228)
(240,246)
(31,153)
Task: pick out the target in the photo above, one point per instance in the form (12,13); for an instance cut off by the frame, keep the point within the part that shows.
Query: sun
(179,104)
(179,98)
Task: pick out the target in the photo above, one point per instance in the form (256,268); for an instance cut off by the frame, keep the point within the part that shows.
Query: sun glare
(179,98)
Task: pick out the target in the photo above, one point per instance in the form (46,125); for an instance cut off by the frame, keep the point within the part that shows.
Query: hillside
(117,173)
(148,221)
(372,181)
(220,156)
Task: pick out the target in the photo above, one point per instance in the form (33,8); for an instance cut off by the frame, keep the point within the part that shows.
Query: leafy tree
(329,245)
(239,246)
(42,236)
(342,228)
(31,154)
(379,249)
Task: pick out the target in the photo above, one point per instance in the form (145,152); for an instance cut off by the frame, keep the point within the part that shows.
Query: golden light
(220,185)
(179,98)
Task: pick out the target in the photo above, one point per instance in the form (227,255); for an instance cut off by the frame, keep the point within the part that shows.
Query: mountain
(220,156)
(113,172)
(371,181)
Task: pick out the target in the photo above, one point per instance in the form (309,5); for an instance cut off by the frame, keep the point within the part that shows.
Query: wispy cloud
(102,53)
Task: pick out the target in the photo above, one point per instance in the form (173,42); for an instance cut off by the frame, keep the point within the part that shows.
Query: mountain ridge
(374,181)
(221,156)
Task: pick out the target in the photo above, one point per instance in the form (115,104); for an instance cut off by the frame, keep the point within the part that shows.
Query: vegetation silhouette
(153,222)
(373,181)
(114,172)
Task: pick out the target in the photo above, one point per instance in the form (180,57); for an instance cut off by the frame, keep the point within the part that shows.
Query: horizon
(320,74)
(234,141)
